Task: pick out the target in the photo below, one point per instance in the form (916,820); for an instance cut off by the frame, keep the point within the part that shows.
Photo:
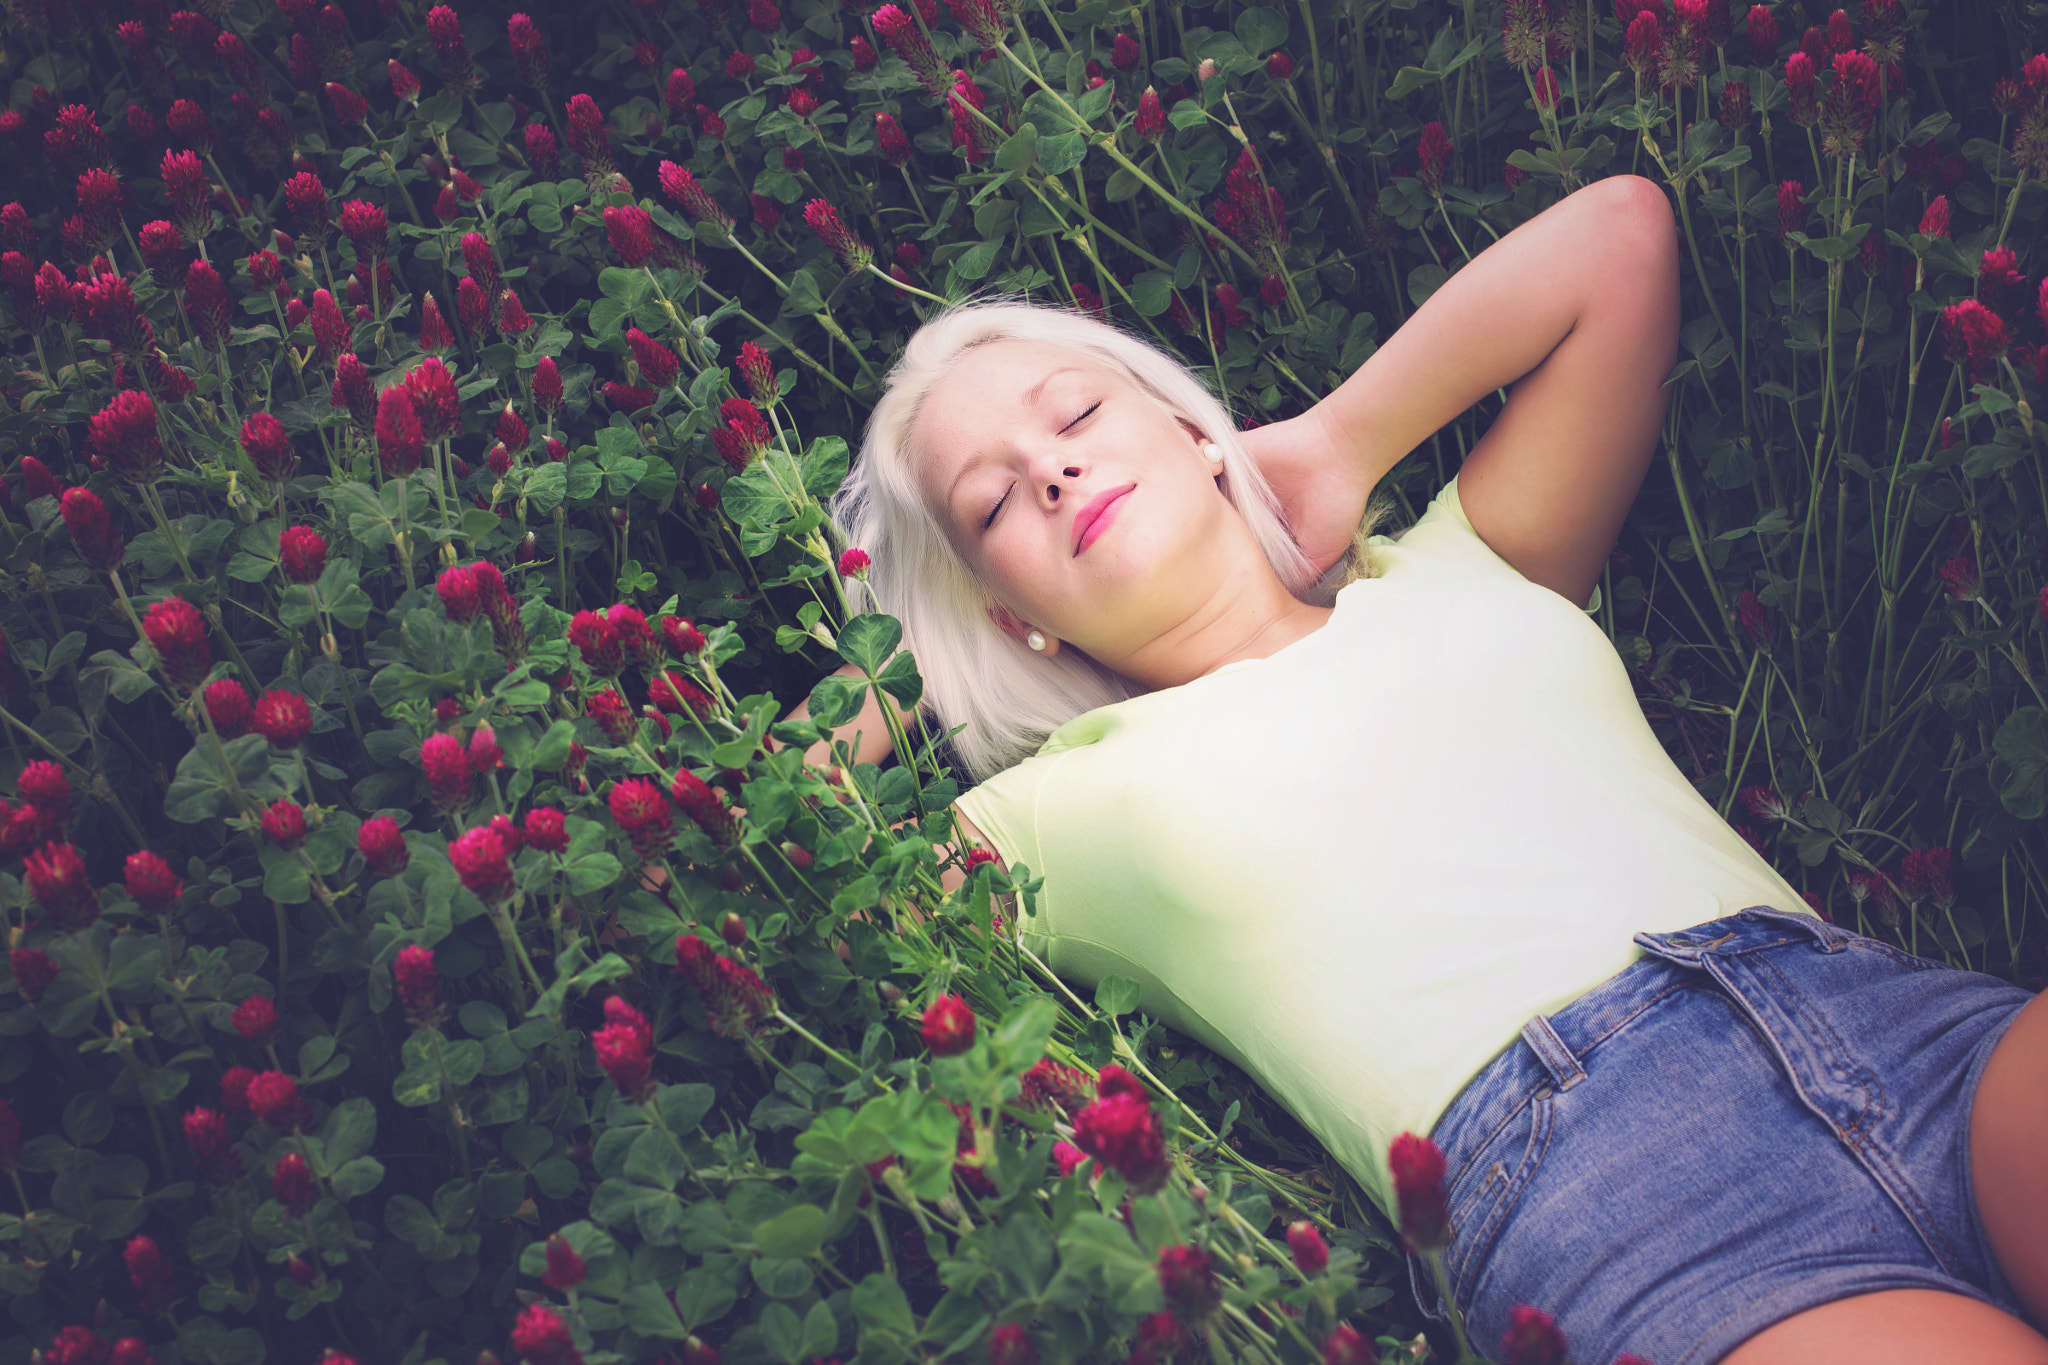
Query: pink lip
(1090,518)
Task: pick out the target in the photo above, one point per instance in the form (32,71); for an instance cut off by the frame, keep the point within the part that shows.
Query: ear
(1007,622)
(1195,433)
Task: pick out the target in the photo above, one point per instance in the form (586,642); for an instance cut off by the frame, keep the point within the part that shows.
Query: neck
(1244,620)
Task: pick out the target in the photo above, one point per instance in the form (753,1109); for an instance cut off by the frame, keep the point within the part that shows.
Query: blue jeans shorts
(1764,1114)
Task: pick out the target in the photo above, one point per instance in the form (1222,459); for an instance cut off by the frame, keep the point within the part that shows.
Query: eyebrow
(1031,397)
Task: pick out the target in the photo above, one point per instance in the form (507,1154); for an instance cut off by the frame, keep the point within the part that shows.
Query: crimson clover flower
(382,845)
(1311,1254)
(902,33)
(631,232)
(1418,1170)
(303,553)
(1849,107)
(1120,1130)
(229,708)
(680,185)
(418,982)
(205,303)
(695,798)
(177,632)
(34,970)
(274,1099)
(1150,120)
(947,1026)
(400,444)
(481,861)
(284,824)
(445,761)
(283,718)
(625,1048)
(643,812)
(1254,215)
(542,1338)
(564,1266)
(1188,1279)
(546,830)
(737,1002)
(268,446)
(147,1268)
(529,50)
(255,1019)
(92,530)
(681,636)
(612,715)
(1532,1337)
(291,1180)
(125,432)
(659,364)
(44,783)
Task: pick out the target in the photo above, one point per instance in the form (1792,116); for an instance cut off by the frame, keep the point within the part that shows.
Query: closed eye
(991,518)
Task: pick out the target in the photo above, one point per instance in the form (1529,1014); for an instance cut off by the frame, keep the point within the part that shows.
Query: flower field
(428,941)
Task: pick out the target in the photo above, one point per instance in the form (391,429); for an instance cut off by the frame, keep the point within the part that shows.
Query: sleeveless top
(1356,867)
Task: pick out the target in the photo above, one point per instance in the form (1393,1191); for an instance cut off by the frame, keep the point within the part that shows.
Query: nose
(1054,491)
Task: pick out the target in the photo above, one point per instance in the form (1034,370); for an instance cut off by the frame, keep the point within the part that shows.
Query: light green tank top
(1358,866)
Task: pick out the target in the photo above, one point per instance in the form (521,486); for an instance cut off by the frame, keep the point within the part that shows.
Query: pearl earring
(1035,640)
(1212,452)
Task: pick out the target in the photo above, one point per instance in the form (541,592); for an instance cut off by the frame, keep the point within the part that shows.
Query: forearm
(869,730)
(1492,322)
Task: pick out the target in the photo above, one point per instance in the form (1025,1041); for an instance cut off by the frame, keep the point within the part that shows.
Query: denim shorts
(1764,1114)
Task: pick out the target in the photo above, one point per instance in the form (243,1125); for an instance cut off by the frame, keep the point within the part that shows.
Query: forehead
(985,390)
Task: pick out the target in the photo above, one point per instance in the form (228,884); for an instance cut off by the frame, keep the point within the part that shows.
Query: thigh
(2008,1137)
(1895,1327)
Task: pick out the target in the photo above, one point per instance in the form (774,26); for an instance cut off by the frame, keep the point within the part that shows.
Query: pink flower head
(631,232)
(451,50)
(400,444)
(737,1002)
(284,824)
(303,553)
(418,983)
(125,432)
(446,764)
(542,1338)
(625,1048)
(1418,1170)
(268,446)
(291,1180)
(1150,120)
(274,1099)
(58,881)
(255,1019)
(948,1026)
(1934,222)
(206,304)
(382,845)
(228,706)
(547,385)
(151,883)
(92,531)
(612,715)
(901,32)
(482,863)
(564,1266)
(643,814)
(1532,1337)
(546,830)
(177,632)
(283,718)
(1254,215)
(1121,1131)
(434,398)
(1311,1254)
(529,50)
(659,364)
(1188,1279)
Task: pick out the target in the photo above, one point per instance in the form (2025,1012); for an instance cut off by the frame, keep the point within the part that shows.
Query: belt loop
(1829,937)
(1550,1049)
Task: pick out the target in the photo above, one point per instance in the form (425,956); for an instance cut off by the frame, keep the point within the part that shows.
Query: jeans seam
(1509,1199)
(1859,1137)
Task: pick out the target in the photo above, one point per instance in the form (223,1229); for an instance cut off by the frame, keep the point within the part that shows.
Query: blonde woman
(1413,857)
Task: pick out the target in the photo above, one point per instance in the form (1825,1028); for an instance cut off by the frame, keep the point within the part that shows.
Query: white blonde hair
(1009,697)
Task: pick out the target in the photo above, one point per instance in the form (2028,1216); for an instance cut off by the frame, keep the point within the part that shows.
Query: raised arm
(1495,321)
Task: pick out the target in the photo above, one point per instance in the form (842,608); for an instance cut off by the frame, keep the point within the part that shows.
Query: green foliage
(1828,596)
